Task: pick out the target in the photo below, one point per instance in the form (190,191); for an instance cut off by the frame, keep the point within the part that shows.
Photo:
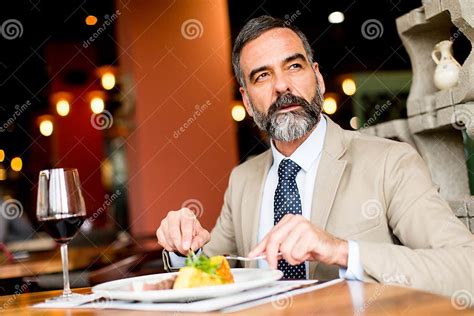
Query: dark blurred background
(57,59)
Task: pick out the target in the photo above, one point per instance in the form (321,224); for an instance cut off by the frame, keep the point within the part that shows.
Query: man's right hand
(181,231)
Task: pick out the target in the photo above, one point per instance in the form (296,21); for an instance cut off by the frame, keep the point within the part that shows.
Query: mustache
(287,99)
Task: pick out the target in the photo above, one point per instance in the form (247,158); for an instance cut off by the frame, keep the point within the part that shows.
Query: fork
(235,257)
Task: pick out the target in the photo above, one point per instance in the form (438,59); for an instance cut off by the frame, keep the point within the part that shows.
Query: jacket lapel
(252,203)
(327,180)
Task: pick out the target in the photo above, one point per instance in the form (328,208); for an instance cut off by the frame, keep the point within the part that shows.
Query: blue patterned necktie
(287,201)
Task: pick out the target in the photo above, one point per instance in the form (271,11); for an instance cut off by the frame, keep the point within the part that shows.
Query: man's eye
(262,76)
(295,66)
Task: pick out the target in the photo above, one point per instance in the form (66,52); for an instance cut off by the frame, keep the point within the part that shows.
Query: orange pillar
(183,146)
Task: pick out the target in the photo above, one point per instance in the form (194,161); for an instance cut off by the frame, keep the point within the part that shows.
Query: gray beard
(290,126)
(287,127)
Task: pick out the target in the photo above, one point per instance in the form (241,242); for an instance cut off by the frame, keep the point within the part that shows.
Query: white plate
(244,279)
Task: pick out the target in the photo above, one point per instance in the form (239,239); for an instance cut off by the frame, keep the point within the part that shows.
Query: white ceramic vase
(447,70)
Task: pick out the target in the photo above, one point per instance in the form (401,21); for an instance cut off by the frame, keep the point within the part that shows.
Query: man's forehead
(271,47)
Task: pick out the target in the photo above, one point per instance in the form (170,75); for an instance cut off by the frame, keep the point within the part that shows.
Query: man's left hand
(298,240)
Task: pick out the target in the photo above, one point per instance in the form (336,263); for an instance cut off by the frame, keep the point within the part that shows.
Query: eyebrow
(284,61)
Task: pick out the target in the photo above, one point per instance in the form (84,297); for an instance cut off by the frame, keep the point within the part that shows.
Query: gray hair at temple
(253,29)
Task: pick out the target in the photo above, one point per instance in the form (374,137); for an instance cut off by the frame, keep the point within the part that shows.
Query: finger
(200,239)
(201,230)
(277,237)
(157,235)
(187,219)
(271,252)
(198,242)
(292,241)
(166,235)
(164,230)
(300,252)
(259,248)
(282,229)
(284,220)
(174,231)
(162,240)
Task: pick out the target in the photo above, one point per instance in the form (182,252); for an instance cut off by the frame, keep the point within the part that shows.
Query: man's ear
(322,86)
(246,101)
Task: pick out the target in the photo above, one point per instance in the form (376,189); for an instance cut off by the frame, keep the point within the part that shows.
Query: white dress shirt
(307,156)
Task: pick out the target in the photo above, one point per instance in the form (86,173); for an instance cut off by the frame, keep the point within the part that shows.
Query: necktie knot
(288,169)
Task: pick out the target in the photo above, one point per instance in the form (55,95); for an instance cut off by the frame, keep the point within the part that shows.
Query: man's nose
(281,85)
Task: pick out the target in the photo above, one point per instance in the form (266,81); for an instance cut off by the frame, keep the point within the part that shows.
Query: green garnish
(201,262)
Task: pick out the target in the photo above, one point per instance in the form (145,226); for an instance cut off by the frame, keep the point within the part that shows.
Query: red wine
(63,229)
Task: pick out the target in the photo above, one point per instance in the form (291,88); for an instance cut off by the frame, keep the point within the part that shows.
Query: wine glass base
(65,298)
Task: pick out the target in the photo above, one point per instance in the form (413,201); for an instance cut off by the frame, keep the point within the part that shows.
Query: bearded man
(324,202)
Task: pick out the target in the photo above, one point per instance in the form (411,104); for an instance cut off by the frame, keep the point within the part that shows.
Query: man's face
(283,90)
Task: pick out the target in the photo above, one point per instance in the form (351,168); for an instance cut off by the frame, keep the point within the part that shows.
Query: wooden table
(87,257)
(345,298)
(50,261)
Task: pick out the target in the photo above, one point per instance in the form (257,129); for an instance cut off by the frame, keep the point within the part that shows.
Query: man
(324,202)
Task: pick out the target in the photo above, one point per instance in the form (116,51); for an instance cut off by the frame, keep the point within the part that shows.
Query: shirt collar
(305,155)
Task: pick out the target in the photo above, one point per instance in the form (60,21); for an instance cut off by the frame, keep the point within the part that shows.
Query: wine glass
(61,210)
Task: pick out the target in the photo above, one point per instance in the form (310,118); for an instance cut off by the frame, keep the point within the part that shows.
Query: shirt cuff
(179,261)
(354,269)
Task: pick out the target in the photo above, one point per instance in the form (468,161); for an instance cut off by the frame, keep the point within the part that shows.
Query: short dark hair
(253,29)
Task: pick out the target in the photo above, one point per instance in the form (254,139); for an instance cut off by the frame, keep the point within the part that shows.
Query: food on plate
(203,271)
(166,284)
(200,270)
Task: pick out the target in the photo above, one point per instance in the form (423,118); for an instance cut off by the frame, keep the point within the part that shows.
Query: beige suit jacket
(372,190)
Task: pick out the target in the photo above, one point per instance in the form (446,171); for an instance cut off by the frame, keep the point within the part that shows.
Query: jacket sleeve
(437,250)
(222,235)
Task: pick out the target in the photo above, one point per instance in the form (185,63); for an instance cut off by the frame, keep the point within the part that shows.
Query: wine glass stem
(64,259)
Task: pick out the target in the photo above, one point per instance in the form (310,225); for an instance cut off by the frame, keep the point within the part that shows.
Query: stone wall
(437,119)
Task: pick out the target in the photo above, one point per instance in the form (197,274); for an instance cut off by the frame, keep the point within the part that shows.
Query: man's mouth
(288,107)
